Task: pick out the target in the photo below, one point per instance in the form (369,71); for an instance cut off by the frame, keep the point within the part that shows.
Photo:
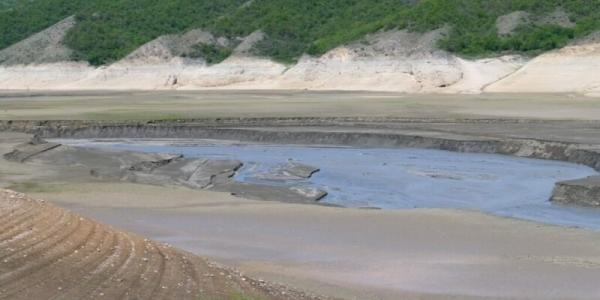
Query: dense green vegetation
(296,27)
(110,29)
(474,32)
(6,4)
(107,30)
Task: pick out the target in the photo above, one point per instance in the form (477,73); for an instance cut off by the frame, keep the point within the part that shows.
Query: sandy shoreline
(343,252)
(348,253)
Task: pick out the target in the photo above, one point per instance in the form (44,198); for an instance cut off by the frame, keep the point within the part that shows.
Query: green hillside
(107,30)
(7,4)
(24,18)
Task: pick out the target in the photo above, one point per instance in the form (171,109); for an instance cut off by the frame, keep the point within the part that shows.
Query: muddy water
(398,178)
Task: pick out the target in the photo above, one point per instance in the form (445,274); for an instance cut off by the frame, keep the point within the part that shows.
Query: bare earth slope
(41,61)
(49,253)
(574,68)
(43,47)
(386,61)
(398,61)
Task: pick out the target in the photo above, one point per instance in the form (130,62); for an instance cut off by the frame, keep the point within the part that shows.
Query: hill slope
(107,31)
(439,46)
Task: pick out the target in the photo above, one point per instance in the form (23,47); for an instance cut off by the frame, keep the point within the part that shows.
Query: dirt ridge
(49,253)
(286,132)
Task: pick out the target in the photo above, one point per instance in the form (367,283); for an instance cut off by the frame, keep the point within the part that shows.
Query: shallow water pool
(398,178)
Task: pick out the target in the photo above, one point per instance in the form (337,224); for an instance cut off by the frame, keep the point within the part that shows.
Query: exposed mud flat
(166,169)
(350,177)
(355,253)
(560,112)
(279,131)
(388,178)
(336,134)
(370,254)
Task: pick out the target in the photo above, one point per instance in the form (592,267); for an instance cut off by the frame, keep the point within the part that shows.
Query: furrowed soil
(50,253)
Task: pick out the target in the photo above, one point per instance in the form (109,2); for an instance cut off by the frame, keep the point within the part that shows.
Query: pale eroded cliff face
(398,61)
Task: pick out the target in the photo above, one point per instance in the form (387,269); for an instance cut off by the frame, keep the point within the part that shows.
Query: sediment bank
(323,131)
(162,169)
(585,191)
(365,132)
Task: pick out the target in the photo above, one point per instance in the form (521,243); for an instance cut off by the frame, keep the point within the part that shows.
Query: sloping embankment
(333,132)
(323,131)
(571,69)
(49,253)
(398,61)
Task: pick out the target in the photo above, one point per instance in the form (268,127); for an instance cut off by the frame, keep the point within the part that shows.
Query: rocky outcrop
(172,47)
(508,23)
(585,192)
(398,60)
(558,17)
(42,47)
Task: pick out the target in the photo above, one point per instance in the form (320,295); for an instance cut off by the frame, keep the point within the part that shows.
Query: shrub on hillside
(109,30)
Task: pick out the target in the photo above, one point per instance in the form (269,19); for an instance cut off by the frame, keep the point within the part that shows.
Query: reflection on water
(398,178)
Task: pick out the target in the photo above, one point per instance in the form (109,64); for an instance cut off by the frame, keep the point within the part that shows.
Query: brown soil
(49,253)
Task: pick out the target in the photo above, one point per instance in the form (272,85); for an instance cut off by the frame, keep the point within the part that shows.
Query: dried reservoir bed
(392,178)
